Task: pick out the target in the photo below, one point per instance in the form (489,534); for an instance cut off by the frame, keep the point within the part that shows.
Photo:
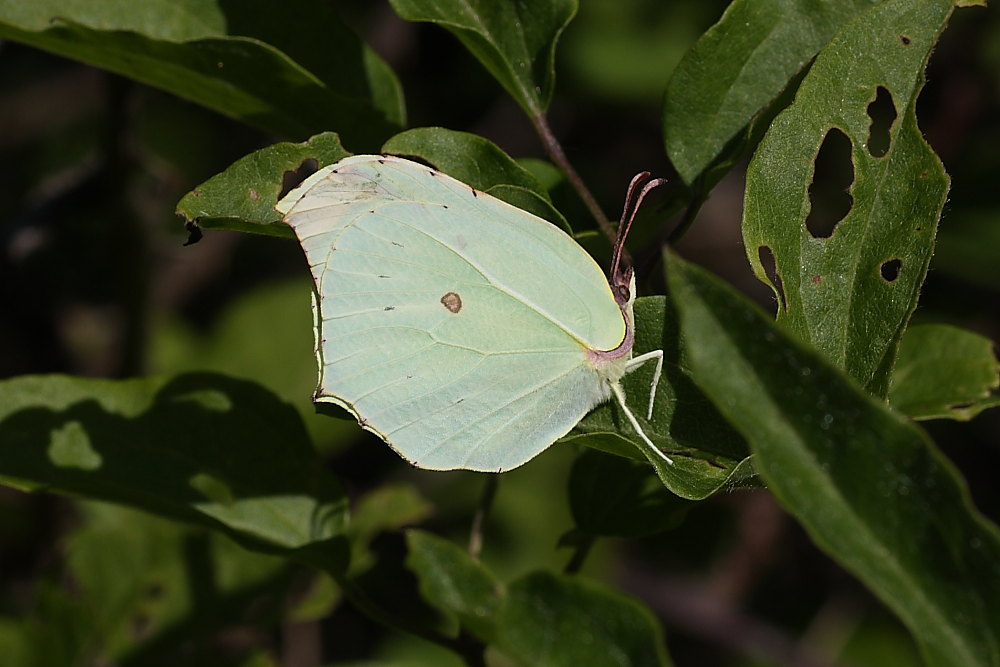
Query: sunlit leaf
(454,582)
(944,372)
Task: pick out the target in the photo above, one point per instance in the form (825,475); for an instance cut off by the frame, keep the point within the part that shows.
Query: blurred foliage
(97,283)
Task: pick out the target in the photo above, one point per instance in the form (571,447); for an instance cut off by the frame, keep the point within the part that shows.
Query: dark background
(95,281)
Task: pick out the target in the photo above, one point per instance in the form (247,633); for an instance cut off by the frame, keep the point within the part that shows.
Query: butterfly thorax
(610,364)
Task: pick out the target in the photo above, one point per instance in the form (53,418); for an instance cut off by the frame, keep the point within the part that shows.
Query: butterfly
(463,331)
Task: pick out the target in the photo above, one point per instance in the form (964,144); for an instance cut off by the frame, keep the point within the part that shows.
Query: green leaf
(944,372)
(867,484)
(968,246)
(480,163)
(708,454)
(621,52)
(15,641)
(612,496)
(202,448)
(515,42)
(258,62)
(179,580)
(552,620)
(454,582)
(242,197)
(465,156)
(129,584)
(388,507)
(742,63)
(850,291)
(282,310)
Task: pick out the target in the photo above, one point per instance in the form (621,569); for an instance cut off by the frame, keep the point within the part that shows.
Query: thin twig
(698,197)
(482,512)
(555,151)
(579,556)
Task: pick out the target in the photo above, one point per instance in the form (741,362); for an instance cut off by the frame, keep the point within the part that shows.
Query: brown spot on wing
(452,301)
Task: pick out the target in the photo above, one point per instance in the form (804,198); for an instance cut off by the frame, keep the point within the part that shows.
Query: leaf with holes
(844,237)
(515,41)
(737,68)
(480,163)
(944,372)
(242,197)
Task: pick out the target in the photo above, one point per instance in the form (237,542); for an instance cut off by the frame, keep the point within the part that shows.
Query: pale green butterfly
(463,331)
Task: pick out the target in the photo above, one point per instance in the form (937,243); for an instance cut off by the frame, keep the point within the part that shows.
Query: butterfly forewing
(453,325)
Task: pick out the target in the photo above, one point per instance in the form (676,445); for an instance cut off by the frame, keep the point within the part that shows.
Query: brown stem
(579,556)
(482,512)
(698,197)
(555,151)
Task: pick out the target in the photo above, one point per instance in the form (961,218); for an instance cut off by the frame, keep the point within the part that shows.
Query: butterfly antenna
(620,276)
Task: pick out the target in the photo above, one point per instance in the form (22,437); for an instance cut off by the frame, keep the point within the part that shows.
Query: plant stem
(579,556)
(555,151)
(698,197)
(482,512)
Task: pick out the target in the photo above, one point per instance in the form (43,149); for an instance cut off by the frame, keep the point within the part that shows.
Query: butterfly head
(623,285)
(622,277)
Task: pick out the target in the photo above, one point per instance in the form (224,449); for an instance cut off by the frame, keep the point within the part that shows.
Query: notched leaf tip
(290,179)
(194,232)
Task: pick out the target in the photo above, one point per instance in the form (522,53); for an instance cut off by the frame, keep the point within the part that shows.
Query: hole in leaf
(905,40)
(890,269)
(766,257)
(833,174)
(882,111)
(290,179)
(194,232)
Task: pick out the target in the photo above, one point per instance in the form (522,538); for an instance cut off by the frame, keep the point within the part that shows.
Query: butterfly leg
(652,450)
(635,362)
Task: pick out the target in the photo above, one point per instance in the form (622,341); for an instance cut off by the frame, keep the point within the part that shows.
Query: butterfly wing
(453,325)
